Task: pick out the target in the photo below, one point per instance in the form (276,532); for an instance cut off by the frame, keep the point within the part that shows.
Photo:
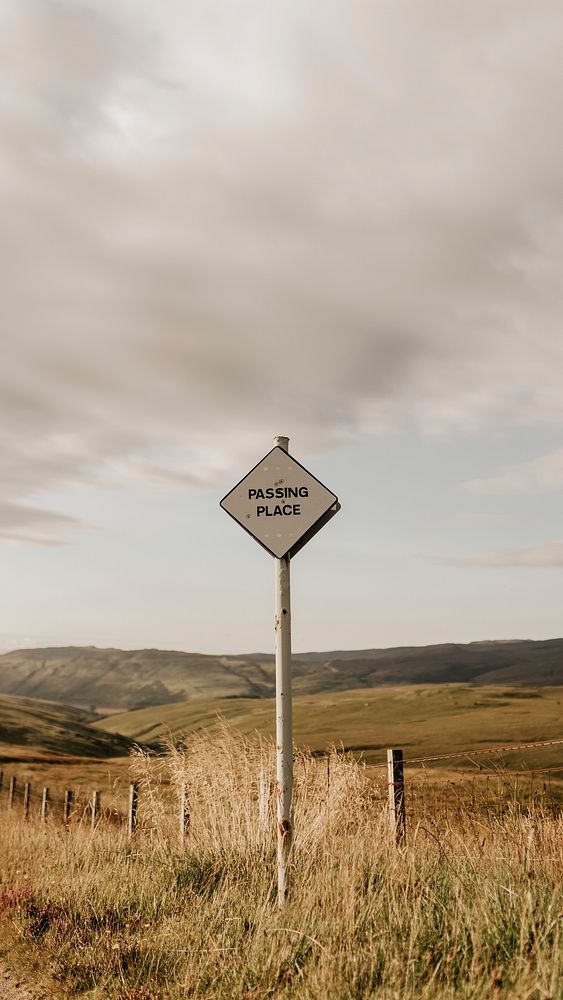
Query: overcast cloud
(321,219)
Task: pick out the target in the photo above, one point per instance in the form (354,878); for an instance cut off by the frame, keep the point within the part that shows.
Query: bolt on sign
(280,503)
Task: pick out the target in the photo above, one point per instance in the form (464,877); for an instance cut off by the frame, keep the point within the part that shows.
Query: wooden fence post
(397,811)
(67,806)
(26,796)
(44,804)
(95,808)
(133,808)
(11,792)
(184,815)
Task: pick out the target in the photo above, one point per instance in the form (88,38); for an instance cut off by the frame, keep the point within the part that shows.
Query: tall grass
(472,913)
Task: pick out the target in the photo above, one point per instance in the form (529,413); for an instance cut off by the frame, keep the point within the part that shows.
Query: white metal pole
(284,725)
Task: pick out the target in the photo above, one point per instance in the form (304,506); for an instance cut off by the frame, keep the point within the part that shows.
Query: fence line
(475,753)
(509,774)
(418,795)
(40,802)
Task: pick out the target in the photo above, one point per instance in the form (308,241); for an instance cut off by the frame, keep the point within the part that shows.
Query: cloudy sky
(340,221)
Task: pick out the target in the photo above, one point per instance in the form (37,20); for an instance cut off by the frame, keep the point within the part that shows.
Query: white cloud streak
(541,475)
(548,556)
(224,221)
(22,523)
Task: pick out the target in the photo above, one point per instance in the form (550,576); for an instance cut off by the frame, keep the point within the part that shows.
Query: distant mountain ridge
(111,679)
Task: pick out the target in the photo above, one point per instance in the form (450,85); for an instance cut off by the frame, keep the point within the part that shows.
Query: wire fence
(33,801)
(470,754)
(491,793)
(420,794)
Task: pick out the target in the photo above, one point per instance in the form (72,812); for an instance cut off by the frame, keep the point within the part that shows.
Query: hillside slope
(434,719)
(111,679)
(29,727)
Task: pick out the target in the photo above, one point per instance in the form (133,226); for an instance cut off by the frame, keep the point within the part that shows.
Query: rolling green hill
(31,728)
(423,720)
(111,679)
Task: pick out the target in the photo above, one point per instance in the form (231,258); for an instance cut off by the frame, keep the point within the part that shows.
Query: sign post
(282,506)
(284,719)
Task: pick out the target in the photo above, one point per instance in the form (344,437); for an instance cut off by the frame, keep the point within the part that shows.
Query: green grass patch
(423,720)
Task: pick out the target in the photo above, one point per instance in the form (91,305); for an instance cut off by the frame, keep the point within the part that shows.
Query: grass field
(471,909)
(39,741)
(421,719)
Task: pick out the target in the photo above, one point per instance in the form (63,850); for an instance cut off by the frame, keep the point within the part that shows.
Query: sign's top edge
(286,454)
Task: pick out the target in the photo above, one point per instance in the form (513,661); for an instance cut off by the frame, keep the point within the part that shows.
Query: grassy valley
(461,909)
(422,719)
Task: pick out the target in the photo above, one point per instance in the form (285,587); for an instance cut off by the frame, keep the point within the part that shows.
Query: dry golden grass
(469,911)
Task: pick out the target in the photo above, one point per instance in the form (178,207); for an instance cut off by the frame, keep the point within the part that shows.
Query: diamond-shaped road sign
(279,503)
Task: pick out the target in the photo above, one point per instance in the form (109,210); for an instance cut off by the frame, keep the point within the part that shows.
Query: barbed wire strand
(488,774)
(475,753)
